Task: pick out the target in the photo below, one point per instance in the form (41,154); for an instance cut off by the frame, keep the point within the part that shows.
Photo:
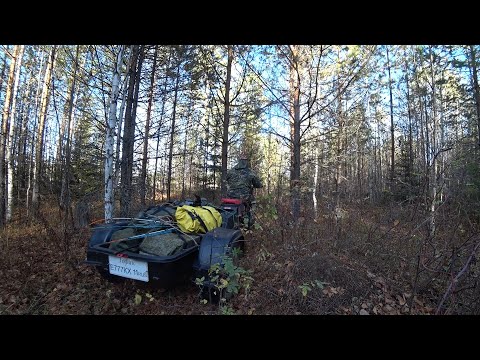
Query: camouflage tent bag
(197,219)
(167,244)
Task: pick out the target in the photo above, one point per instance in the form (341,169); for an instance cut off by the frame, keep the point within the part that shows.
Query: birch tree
(110,136)
(6,115)
(9,160)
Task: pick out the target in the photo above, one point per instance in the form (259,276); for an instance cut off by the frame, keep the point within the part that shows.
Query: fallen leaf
(419,302)
(401,300)
(364,312)
(138,299)
(429,309)
(396,222)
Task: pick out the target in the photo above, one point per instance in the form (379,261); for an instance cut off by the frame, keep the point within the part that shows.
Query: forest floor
(359,262)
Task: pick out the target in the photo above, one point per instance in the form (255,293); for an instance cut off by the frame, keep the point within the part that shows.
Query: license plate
(128,268)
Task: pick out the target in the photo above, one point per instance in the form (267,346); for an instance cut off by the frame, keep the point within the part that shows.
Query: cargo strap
(185,241)
(195,216)
(214,218)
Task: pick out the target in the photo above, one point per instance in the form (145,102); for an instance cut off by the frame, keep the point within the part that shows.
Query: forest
(369,157)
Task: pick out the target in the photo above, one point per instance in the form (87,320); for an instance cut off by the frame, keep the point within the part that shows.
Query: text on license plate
(128,268)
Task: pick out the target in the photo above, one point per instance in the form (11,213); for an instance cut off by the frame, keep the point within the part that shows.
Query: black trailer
(127,256)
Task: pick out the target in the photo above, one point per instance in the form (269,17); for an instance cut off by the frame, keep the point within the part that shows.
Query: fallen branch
(457,278)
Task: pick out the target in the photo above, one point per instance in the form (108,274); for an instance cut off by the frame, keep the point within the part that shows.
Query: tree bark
(3,136)
(172,133)
(33,140)
(129,134)
(162,114)
(9,157)
(121,117)
(295,132)
(433,204)
(45,97)
(226,121)
(143,176)
(110,136)
(392,127)
(476,92)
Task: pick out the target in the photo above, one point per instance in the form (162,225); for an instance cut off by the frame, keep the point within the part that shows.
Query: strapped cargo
(197,219)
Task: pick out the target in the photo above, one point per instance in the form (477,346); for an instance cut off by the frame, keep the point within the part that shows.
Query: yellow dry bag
(197,219)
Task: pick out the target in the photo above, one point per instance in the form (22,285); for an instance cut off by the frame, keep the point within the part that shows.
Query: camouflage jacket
(241,180)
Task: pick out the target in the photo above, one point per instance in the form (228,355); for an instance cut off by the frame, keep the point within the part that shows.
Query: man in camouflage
(241,180)
(240,183)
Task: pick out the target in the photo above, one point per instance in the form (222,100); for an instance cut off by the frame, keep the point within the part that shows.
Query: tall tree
(226,120)
(129,132)
(44,100)
(110,136)
(3,137)
(295,129)
(65,196)
(160,124)
(9,157)
(476,89)
(143,175)
(392,127)
(6,124)
(172,133)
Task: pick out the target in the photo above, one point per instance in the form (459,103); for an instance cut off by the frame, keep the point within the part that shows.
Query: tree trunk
(18,54)
(33,140)
(22,141)
(120,118)
(476,92)
(129,132)
(44,99)
(392,128)
(295,132)
(109,137)
(162,114)
(65,198)
(433,204)
(226,121)
(315,182)
(143,176)
(4,67)
(184,160)
(410,136)
(3,136)
(172,133)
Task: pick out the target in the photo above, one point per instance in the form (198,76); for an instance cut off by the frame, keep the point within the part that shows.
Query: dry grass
(371,260)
